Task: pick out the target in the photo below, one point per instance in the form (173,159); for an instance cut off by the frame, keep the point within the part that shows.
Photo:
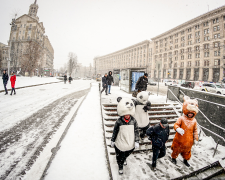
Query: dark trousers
(121,156)
(143,131)
(158,153)
(105,88)
(64,81)
(13,89)
(5,84)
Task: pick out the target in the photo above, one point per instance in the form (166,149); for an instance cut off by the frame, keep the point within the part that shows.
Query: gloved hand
(112,144)
(136,145)
(180,131)
(145,108)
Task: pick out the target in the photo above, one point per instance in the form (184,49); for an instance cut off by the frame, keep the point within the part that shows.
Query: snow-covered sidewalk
(82,153)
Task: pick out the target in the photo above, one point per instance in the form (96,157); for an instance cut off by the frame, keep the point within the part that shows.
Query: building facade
(194,50)
(28,29)
(4,55)
(138,55)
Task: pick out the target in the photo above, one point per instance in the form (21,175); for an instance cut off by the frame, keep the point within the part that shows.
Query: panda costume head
(143,96)
(125,106)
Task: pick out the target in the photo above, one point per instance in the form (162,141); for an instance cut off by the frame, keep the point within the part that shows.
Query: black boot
(174,161)
(120,170)
(186,163)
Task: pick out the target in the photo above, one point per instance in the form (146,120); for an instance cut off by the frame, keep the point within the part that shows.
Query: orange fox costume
(183,144)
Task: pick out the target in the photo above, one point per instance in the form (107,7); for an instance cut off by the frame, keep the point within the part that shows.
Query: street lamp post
(12,24)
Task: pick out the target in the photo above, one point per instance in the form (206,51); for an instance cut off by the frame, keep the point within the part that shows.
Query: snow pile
(82,153)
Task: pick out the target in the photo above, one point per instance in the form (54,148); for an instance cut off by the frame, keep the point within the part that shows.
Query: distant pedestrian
(65,78)
(5,78)
(110,80)
(13,81)
(70,79)
(141,84)
(105,84)
(158,135)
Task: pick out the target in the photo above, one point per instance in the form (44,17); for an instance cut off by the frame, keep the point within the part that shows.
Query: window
(24,25)
(216,62)
(189,30)
(197,40)
(175,64)
(176,35)
(206,54)
(215,21)
(216,53)
(182,38)
(189,49)
(165,65)
(206,46)
(182,32)
(197,34)
(182,64)
(206,38)
(196,27)
(176,40)
(171,37)
(216,36)
(182,51)
(197,48)
(189,36)
(171,47)
(189,63)
(189,43)
(176,58)
(28,37)
(216,44)
(182,44)
(197,63)
(176,46)
(197,55)
(189,56)
(206,23)
(216,28)
(206,31)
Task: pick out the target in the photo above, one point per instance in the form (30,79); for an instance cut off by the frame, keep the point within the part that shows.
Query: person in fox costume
(186,131)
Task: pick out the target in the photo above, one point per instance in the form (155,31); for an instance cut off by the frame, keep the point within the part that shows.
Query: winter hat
(105,73)
(164,122)
(146,74)
(125,106)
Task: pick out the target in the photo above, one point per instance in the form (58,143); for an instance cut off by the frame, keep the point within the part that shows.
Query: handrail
(197,123)
(206,117)
(210,102)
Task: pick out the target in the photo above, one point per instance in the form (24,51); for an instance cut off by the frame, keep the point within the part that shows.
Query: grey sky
(98,27)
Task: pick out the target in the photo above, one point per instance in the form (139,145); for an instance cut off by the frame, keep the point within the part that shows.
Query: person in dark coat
(125,136)
(141,84)
(70,79)
(65,78)
(110,80)
(105,84)
(158,135)
(5,78)
(13,81)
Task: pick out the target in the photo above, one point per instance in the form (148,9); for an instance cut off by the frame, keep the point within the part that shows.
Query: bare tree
(32,57)
(72,63)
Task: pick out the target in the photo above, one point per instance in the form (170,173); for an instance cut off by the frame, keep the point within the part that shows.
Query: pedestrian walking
(110,80)
(158,135)
(105,84)
(70,79)
(5,78)
(141,84)
(13,81)
(65,78)
(125,136)
(186,131)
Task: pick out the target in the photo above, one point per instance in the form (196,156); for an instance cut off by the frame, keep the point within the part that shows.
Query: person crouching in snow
(158,135)
(13,81)
(186,131)
(142,105)
(125,133)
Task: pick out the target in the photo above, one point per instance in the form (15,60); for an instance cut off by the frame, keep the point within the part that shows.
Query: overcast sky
(92,28)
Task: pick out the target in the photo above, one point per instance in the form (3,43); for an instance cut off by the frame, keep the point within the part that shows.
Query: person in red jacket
(13,81)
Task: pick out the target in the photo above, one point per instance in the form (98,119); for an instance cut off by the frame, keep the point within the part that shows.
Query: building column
(200,74)
(192,74)
(184,74)
(221,74)
(210,75)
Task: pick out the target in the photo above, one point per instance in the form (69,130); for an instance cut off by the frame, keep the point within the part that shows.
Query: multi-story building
(138,55)
(194,50)
(28,29)
(4,54)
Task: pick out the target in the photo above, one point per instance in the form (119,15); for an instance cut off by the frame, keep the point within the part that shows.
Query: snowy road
(29,120)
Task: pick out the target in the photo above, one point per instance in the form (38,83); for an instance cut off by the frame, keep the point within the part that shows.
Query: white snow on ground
(82,152)
(29,100)
(27,81)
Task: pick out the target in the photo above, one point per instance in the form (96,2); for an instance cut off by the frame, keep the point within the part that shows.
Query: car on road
(151,83)
(170,82)
(213,88)
(188,84)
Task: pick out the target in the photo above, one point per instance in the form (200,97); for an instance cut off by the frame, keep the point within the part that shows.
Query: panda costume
(125,133)
(142,105)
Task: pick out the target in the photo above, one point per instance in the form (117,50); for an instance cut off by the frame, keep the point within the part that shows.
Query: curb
(57,147)
(103,128)
(31,86)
